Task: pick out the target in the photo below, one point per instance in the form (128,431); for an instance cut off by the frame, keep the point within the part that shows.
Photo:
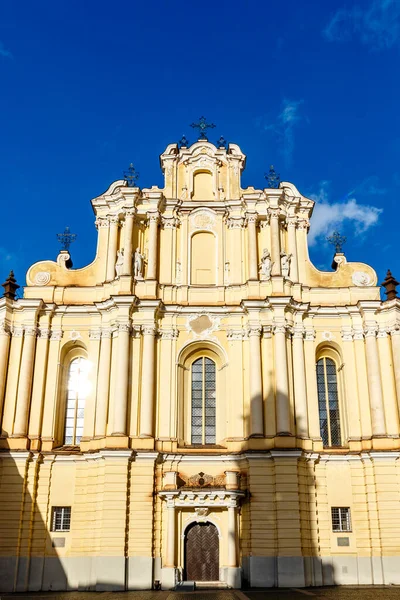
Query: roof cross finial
(66,238)
(273,178)
(337,240)
(131,176)
(202,126)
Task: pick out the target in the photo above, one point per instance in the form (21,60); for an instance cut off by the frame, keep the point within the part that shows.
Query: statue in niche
(285,263)
(265,266)
(138,263)
(178,271)
(120,262)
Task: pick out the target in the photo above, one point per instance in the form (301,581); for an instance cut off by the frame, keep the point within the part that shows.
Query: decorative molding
(394,329)
(30,331)
(168,334)
(347,334)
(370,331)
(170,222)
(5,329)
(42,278)
(76,335)
(327,336)
(254,330)
(202,324)
(149,330)
(94,334)
(309,335)
(237,334)
(298,332)
(44,334)
(17,331)
(107,332)
(236,222)
(56,335)
(267,331)
(153,217)
(361,278)
(202,498)
(101,222)
(203,219)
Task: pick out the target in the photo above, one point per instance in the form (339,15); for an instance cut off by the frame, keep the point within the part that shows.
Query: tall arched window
(203,423)
(77,390)
(328,402)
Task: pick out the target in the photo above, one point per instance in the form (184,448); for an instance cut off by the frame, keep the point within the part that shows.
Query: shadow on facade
(28,558)
(286,519)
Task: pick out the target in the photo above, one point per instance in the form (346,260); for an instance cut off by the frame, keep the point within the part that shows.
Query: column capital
(298,332)
(254,330)
(263,223)
(274,213)
(130,212)
(251,217)
(44,333)
(303,224)
(292,221)
(30,331)
(168,334)
(56,335)
(394,329)
(17,331)
(123,327)
(309,334)
(5,329)
(347,334)
(107,332)
(95,334)
(281,328)
(114,220)
(101,222)
(149,330)
(170,222)
(153,217)
(370,331)
(236,222)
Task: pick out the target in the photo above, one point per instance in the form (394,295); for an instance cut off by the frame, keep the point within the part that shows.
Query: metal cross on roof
(202,126)
(273,178)
(337,240)
(66,238)
(222,142)
(183,142)
(131,176)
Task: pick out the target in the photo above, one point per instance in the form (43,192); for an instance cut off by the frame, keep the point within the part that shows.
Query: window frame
(340,520)
(68,354)
(76,408)
(333,355)
(204,407)
(64,517)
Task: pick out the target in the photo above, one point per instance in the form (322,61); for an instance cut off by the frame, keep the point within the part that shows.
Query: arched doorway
(202,552)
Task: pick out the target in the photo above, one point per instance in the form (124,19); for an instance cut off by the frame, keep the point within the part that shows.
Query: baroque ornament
(203,219)
(361,278)
(42,278)
(202,324)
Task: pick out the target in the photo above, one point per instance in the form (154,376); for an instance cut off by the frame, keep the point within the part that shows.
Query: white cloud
(329,216)
(284,127)
(4,52)
(377,25)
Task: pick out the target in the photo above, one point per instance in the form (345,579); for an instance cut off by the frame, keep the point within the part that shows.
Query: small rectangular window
(341,519)
(61,518)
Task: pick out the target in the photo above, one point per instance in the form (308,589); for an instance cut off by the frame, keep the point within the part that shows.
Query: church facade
(200,403)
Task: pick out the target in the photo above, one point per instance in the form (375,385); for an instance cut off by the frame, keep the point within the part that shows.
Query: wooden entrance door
(202,553)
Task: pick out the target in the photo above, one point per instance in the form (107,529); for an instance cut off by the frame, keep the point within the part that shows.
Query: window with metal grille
(77,390)
(61,518)
(341,519)
(203,401)
(328,402)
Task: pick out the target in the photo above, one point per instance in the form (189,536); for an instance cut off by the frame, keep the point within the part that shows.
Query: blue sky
(88,87)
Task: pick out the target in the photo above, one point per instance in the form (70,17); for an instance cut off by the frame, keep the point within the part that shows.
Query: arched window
(203,388)
(328,402)
(77,390)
